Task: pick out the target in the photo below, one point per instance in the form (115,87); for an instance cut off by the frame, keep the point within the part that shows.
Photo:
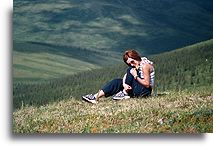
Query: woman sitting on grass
(137,82)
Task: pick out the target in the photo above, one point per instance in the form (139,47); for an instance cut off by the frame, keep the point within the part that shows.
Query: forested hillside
(183,69)
(151,26)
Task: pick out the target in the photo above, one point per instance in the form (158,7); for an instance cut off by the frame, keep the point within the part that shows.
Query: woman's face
(132,62)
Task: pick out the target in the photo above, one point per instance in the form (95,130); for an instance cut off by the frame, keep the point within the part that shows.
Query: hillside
(182,101)
(147,25)
(35,62)
(176,112)
(187,68)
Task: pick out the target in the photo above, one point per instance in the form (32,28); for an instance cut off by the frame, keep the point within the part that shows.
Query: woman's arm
(146,72)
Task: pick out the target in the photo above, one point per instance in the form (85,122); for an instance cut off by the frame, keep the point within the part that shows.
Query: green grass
(173,112)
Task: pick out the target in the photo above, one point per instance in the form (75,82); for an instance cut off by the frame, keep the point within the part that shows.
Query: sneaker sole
(119,98)
(88,100)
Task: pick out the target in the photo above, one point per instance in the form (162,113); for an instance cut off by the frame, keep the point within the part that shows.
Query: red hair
(131,54)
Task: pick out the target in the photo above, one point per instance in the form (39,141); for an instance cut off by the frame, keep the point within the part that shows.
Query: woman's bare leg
(99,94)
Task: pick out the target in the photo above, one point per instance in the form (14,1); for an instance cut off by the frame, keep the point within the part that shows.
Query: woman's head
(131,57)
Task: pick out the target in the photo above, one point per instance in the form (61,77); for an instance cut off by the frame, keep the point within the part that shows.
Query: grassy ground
(171,112)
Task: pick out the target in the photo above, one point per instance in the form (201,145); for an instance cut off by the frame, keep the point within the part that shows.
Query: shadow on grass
(110,137)
(161,94)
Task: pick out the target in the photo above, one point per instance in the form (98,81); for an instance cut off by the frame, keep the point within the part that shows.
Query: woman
(137,82)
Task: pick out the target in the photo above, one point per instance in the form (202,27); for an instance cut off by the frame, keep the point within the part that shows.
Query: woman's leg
(140,91)
(129,77)
(129,80)
(111,88)
(99,94)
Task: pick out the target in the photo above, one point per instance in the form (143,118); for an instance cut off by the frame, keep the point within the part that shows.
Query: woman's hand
(133,71)
(127,87)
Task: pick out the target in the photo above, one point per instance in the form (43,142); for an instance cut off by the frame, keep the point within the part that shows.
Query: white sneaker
(120,96)
(90,98)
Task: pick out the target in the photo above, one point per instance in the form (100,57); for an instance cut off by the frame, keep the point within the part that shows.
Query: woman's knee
(142,92)
(116,81)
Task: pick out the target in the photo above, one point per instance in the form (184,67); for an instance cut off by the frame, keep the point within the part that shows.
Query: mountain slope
(183,69)
(148,25)
(176,112)
(191,66)
(34,61)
